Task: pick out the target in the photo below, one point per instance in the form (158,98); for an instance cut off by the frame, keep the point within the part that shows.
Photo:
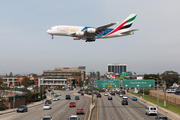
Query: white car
(125,97)
(47,107)
(74,117)
(59,93)
(55,98)
(120,95)
(171,90)
(151,110)
(105,94)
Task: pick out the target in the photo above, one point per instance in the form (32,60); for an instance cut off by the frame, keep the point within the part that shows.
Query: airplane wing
(98,30)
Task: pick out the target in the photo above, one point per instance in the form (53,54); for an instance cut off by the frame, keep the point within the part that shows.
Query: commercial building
(72,73)
(10,80)
(53,82)
(116,68)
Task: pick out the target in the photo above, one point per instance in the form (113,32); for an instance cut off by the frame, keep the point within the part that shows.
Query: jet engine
(76,38)
(91,30)
(80,33)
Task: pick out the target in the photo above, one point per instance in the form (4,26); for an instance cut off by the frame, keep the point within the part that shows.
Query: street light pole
(164,93)
(92,89)
(157,94)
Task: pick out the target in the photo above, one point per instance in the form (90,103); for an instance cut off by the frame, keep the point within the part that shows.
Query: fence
(172,99)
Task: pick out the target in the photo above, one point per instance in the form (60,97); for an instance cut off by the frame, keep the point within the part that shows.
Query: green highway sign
(138,84)
(108,83)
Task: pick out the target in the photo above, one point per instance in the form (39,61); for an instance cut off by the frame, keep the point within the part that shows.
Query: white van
(151,110)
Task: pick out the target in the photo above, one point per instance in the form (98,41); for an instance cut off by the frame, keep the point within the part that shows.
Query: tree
(170,77)
(98,75)
(27,82)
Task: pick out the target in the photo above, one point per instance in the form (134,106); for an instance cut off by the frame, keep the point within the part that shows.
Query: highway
(113,110)
(60,110)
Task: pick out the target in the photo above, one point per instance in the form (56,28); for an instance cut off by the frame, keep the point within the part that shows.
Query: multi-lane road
(114,110)
(105,109)
(60,110)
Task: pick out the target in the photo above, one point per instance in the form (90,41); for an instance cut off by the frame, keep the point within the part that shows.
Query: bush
(146,92)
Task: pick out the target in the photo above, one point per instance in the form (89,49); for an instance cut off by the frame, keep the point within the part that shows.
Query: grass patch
(169,106)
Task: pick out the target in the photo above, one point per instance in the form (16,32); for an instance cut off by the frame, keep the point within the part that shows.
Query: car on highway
(171,90)
(134,98)
(59,93)
(112,93)
(80,111)
(105,94)
(99,95)
(72,104)
(79,91)
(125,98)
(74,117)
(151,110)
(76,97)
(89,93)
(124,102)
(109,97)
(48,102)
(47,107)
(47,118)
(120,95)
(22,108)
(68,97)
(177,92)
(55,98)
(160,117)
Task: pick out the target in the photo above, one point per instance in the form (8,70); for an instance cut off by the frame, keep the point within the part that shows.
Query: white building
(53,81)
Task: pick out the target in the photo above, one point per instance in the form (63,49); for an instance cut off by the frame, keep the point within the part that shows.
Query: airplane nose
(49,31)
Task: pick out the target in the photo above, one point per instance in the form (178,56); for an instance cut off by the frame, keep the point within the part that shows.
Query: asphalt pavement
(114,110)
(60,109)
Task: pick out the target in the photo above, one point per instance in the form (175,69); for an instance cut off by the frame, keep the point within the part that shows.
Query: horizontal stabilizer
(129,32)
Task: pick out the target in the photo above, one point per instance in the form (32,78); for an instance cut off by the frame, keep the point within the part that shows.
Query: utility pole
(157,94)
(164,93)
(92,89)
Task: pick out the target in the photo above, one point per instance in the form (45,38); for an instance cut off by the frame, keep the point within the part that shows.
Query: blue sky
(27,48)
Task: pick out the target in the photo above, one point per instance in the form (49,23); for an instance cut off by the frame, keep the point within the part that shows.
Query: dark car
(177,92)
(47,118)
(22,108)
(48,102)
(82,93)
(124,102)
(68,97)
(109,98)
(161,118)
(99,95)
(79,91)
(76,97)
(112,93)
(89,93)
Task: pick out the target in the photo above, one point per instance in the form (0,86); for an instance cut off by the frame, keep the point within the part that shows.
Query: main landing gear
(52,37)
(90,40)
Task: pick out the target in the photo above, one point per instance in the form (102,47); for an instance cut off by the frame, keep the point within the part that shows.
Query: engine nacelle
(80,33)
(76,38)
(91,30)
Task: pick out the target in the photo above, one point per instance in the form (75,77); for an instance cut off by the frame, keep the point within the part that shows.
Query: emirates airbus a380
(92,33)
